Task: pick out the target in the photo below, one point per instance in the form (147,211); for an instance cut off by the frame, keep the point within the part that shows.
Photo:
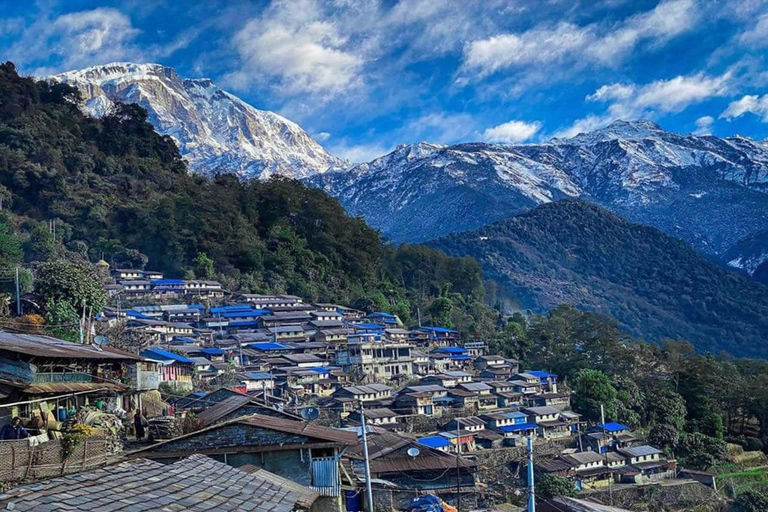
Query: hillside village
(283,356)
(274,383)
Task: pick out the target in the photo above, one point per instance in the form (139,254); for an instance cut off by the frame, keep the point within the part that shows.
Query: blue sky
(365,76)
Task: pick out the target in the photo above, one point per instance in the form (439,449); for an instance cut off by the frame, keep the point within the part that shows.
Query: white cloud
(757,35)
(78,39)
(511,132)
(295,43)
(633,101)
(595,44)
(750,103)
(536,46)
(704,125)
(441,128)
(321,136)
(666,96)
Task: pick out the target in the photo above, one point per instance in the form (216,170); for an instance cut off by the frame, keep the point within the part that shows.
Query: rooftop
(143,485)
(46,346)
(640,451)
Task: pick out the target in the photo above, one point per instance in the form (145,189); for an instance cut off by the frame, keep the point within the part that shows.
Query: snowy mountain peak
(619,129)
(216,131)
(709,191)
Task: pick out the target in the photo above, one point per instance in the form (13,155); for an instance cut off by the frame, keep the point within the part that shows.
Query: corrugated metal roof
(302,428)
(163,355)
(429,462)
(216,412)
(640,451)
(45,346)
(71,387)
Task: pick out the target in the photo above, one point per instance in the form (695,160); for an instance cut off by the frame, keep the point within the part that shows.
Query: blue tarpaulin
(612,426)
(435,441)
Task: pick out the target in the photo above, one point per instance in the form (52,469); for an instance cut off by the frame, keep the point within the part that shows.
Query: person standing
(14,430)
(139,422)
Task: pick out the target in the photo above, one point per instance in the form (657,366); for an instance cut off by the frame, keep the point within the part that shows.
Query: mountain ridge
(657,287)
(216,131)
(708,191)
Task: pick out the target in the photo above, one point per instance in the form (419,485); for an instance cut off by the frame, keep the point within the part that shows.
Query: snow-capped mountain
(709,191)
(216,131)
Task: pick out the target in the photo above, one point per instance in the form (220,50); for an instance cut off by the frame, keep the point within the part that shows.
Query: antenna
(307,413)
(413,452)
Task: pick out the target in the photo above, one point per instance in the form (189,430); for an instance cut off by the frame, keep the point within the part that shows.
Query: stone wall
(234,435)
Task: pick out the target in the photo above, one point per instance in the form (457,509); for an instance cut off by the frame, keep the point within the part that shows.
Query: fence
(21,462)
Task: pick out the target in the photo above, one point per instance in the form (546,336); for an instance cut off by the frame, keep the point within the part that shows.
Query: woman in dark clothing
(138,423)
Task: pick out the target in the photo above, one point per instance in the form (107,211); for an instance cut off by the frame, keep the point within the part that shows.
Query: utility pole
(458,468)
(605,445)
(18,294)
(368,490)
(531,490)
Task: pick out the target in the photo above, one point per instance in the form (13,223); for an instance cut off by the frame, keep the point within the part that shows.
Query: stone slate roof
(195,483)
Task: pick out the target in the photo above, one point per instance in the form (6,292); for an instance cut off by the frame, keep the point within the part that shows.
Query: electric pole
(531,490)
(605,445)
(18,294)
(368,490)
(458,468)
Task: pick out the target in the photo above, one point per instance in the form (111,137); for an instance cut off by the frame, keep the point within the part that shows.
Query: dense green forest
(657,287)
(114,188)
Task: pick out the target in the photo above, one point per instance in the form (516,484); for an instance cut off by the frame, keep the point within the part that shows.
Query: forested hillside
(654,285)
(114,188)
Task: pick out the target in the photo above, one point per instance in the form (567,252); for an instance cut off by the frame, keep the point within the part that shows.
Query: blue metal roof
(184,339)
(435,441)
(212,351)
(244,314)
(516,414)
(236,307)
(541,374)
(257,375)
(451,350)
(136,314)
(381,314)
(318,369)
(161,282)
(156,353)
(267,345)
(459,357)
(376,327)
(243,323)
(612,426)
(518,428)
(443,330)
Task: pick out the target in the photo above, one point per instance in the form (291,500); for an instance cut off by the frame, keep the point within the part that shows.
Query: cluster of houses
(613,454)
(135,284)
(280,387)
